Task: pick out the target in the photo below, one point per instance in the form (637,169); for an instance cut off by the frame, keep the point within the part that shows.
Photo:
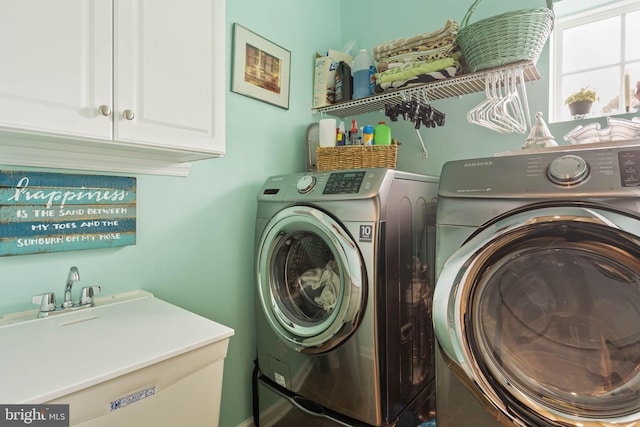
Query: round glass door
(550,315)
(310,279)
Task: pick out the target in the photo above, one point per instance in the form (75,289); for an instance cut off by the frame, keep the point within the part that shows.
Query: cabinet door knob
(128,114)
(104,110)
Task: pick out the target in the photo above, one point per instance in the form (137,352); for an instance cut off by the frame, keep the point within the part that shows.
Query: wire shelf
(440,89)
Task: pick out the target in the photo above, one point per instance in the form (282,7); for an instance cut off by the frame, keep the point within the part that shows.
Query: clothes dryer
(537,301)
(343,294)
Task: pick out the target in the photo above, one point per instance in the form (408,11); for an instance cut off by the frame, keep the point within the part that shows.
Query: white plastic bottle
(364,74)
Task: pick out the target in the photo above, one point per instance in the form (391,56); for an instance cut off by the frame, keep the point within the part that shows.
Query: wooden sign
(52,212)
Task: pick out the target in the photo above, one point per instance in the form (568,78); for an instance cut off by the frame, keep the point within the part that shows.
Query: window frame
(572,20)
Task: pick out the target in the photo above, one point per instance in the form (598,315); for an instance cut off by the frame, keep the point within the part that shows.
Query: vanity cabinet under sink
(131,361)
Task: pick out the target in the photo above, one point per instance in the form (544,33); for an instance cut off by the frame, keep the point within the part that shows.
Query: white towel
(327,281)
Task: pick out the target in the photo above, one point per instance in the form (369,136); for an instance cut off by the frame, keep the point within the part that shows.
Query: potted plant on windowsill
(580,102)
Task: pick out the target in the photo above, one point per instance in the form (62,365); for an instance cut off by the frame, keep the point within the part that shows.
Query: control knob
(306,184)
(568,170)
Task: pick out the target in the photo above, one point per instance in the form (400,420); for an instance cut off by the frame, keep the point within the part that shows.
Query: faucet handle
(87,294)
(47,302)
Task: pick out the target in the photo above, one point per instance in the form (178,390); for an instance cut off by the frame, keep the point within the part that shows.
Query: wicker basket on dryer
(506,38)
(357,156)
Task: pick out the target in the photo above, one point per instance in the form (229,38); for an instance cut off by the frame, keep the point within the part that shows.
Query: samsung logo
(478,164)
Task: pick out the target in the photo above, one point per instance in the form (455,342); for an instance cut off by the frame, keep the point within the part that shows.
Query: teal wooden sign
(52,212)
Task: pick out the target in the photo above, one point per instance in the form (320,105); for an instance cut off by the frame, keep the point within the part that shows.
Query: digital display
(344,183)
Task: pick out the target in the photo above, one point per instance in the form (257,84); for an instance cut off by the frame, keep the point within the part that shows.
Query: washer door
(311,280)
(540,312)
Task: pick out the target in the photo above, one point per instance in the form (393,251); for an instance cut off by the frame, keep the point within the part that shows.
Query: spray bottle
(353,133)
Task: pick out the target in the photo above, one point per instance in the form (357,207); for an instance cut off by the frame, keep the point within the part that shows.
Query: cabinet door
(56,66)
(169,73)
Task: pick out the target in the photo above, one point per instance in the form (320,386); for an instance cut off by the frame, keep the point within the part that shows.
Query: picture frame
(261,68)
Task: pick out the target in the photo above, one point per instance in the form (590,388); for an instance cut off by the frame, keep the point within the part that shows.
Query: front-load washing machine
(345,280)
(537,299)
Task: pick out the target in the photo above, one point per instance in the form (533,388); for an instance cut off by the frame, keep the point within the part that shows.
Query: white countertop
(43,359)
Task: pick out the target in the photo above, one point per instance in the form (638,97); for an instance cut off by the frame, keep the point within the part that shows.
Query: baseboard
(247,423)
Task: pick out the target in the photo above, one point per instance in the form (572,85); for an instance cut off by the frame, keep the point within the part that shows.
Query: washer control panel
(568,170)
(344,182)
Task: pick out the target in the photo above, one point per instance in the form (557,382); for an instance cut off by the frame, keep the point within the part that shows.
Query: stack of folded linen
(418,59)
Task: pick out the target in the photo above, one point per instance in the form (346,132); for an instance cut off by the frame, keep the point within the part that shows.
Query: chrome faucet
(74,276)
(47,301)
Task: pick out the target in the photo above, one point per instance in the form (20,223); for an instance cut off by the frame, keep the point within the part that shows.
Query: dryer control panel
(611,171)
(629,163)
(568,170)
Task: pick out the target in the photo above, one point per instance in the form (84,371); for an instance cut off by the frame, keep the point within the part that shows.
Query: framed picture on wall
(261,69)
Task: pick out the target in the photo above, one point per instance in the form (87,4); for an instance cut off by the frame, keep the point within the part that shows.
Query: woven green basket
(506,38)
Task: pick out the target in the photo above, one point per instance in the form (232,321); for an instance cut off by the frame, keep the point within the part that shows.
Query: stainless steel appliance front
(344,287)
(537,302)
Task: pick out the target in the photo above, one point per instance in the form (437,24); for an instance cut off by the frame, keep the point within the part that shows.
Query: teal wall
(195,234)
(457,139)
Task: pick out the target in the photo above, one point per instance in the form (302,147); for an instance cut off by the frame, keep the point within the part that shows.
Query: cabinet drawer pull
(128,114)
(104,110)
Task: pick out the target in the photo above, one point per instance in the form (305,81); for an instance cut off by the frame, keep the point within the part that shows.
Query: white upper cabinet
(107,80)
(164,60)
(56,66)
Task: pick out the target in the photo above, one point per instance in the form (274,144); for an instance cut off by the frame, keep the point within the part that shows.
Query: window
(595,48)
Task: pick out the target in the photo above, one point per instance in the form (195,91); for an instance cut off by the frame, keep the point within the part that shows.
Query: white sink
(23,316)
(95,359)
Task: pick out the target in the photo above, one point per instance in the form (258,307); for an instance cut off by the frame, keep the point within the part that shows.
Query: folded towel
(421,56)
(417,80)
(432,38)
(414,69)
(424,47)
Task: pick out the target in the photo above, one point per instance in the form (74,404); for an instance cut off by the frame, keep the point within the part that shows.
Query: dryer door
(311,279)
(540,314)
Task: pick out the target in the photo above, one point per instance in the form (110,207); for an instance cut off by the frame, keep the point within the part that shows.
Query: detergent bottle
(382,134)
(364,75)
